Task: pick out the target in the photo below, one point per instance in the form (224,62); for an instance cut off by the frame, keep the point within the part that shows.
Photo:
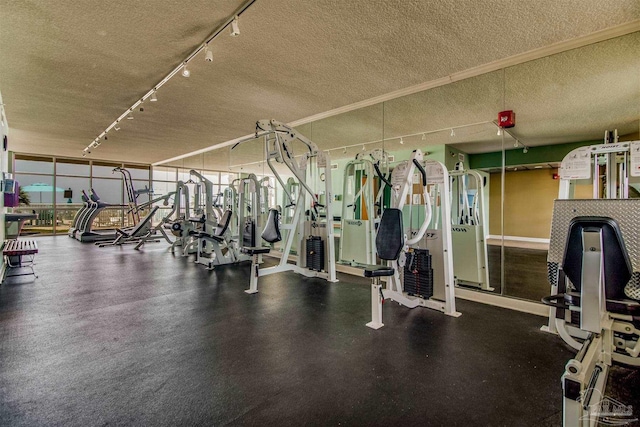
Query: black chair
(615,262)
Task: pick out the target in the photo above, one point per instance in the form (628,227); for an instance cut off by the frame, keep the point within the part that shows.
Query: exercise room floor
(113,336)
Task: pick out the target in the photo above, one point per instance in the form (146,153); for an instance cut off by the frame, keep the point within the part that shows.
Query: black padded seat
(255,250)
(377,271)
(622,306)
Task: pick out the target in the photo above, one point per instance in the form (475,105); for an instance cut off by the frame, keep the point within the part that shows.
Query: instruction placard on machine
(634,148)
(435,174)
(577,165)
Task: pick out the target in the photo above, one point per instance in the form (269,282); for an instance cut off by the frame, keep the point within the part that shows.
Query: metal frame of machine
(615,162)
(603,303)
(354,231)
(468,233)
(278,139)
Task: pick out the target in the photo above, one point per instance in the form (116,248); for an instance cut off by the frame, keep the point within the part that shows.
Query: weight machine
(469,222)
(608,168)
(216,243)
(597,280)
(309,218)
(361,207)
(427,278)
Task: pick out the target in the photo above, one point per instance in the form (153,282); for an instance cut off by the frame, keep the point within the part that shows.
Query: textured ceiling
(568,97)
(70,68)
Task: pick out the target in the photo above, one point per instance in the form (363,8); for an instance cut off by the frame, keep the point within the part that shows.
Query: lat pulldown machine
(318,260)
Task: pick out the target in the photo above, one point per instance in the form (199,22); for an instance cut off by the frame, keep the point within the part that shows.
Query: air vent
(391,158)
(334,166)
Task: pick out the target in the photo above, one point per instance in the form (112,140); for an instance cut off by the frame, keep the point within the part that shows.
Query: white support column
(376,306)
(255,273)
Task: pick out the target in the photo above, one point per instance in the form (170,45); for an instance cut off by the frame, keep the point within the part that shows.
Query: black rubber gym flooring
(117,337)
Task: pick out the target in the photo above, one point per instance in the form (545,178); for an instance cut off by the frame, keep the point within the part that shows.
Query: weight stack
(418,274)
(315,253)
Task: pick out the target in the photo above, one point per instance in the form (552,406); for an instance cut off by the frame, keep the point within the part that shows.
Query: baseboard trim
(505,302)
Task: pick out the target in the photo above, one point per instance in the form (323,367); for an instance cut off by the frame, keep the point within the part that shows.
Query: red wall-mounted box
(506,119)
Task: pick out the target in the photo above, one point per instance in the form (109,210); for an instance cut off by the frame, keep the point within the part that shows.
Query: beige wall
(528,203)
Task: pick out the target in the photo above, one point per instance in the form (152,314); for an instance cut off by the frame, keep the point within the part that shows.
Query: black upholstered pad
(256,250)
(271,232)
(622,306)
(390,237)
(617,266)
(377,271)
(223,224)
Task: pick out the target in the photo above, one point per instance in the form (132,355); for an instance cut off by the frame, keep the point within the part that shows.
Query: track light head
(130,116)
(185,71)
(453,132)
(401,141)
(499,132)
(235,28)
(424,136)
(141,109)
(116,128)
(154,98)
(525,150)
(208,54)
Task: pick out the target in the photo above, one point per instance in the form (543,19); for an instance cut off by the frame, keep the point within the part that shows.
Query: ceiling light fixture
(453,133)
(181,68)
(235,28)
(116,128)
(499,132)
(525,150)
(344,150)
(401,141)
(363,147)
(424,136)
(208,54)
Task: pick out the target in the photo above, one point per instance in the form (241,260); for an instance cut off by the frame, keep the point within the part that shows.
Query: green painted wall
(514,157)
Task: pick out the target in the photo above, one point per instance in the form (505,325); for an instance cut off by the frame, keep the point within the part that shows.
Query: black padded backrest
(249,234)
(223,224)
(271,232)
(390,237)
(94,196)
(617,266)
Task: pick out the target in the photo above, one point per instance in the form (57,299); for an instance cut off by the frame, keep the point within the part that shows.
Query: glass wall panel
(40,191)
(161,173)
(104,170)
(72,167)
(30,164)
(138,172)
(69,201)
